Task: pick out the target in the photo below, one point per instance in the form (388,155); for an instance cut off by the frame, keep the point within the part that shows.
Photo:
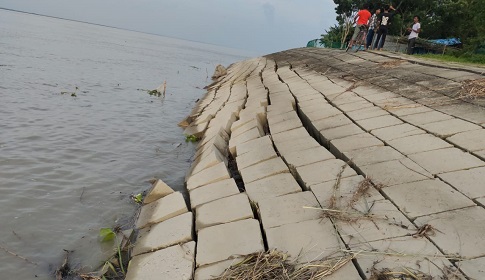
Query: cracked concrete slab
(458,232)
(469,182)
(418,143)
(446,160)
(288,209)
(413,199)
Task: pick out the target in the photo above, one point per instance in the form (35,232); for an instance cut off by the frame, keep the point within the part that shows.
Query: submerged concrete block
(159,189)
(176,230)
(162,209)
(176,262)
(288,209)
(228,241)
(213,191)
(224,210)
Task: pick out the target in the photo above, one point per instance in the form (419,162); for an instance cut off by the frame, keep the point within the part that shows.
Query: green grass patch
(477,59)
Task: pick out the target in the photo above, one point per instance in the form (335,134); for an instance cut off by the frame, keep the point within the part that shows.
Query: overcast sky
(263,26)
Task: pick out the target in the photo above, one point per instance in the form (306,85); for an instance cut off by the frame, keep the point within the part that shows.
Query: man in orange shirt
(363,18)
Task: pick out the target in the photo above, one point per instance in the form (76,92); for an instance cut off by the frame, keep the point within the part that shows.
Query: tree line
(463,19)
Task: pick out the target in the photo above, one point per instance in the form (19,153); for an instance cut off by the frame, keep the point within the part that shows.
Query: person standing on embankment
(414,34)
(384,22)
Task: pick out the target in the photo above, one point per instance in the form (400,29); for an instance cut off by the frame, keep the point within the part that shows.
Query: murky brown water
(68,164)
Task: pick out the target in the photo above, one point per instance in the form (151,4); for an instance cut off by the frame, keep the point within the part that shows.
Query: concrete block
(159,189)
(474,269)
(248,125)
(263,169)
(211,192)
(418,144)
(162,209)
(425,118)
(376,220)
(288,209)
(259,154)
(367,113)
(227,241)
(469,140)
(345,97)
(414,198)
(450,127)
(371,155)
(446,160)
(346,193)
(196,129)
(212,271)
(396,132)
(273,186)
(394,255)
(328,88)
(328,135)
(460,231)
(272,120)
(386,95)
(205,161)
(316,112)
(209,175)
(305,241)
(350,107)
(176,262)
(176,230)
(379,122)
(354,142)
(224,210)
(307,156)
(323,171)
(331,122)
(285,126)
(469,182)
(253,144)
(402,111)
(290,135)
(242,138)
(280,108)
(395,172)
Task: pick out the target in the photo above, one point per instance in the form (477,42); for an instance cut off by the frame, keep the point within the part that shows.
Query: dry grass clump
(273,265)
(399,274)
(472,89)
(391,64)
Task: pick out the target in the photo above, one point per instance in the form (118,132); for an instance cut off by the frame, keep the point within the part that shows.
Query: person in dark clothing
(384,22)
(372,28)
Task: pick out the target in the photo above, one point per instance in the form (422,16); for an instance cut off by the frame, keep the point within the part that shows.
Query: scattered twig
(17,255)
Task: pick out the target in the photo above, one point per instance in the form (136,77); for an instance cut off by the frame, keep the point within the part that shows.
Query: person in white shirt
(414,34)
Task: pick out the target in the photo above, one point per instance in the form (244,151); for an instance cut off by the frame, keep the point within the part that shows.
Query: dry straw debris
(473,89)
(273,265)
(391,64)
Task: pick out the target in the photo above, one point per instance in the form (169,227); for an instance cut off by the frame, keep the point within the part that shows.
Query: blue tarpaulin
(446,42)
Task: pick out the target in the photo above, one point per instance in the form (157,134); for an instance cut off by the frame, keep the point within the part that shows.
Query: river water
(68,164)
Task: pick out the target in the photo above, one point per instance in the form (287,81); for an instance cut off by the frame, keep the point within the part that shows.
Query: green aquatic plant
(106,234)
(138,198)
(191,138)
